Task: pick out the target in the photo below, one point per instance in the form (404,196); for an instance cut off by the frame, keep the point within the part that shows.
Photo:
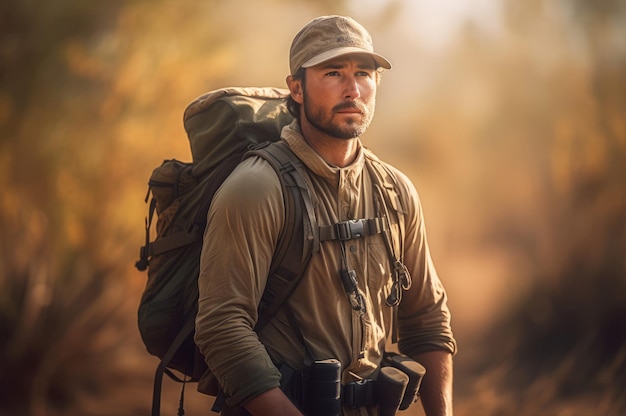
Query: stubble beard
(355,125)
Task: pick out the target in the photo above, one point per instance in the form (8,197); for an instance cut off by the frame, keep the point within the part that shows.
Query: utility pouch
(390,389)
(414,370)
(325,388)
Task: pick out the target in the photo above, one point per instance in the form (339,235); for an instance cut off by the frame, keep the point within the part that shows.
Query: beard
(354,126)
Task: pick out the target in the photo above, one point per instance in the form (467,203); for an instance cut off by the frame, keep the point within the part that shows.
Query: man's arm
(425,333)
(436,388)
(272,403)
(243,225)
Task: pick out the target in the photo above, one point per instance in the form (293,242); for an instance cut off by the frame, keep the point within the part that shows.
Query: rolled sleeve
(424,318)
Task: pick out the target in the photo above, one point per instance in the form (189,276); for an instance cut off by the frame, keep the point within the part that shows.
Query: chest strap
(351,229)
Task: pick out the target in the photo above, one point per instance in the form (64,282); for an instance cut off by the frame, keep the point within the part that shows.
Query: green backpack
(223,127)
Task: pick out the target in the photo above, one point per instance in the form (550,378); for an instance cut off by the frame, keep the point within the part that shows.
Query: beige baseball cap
(328,37)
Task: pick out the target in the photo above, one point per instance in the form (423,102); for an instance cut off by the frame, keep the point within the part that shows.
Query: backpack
(225,126)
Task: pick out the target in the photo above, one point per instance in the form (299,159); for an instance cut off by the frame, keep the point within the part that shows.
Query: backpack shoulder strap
(385,183)
(299,237)
(389,203)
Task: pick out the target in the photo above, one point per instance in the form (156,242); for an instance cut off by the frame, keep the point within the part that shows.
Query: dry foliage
(515,138)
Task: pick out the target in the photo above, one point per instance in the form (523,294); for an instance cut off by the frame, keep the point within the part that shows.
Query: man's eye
(332,74)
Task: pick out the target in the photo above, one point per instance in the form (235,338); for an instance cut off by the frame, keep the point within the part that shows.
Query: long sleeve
(244,222)
(424,316)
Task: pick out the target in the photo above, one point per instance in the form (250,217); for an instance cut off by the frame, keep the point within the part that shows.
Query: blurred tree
(56,302)
(91,94)
(566,338)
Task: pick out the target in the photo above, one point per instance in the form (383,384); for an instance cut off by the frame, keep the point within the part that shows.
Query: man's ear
(295,88)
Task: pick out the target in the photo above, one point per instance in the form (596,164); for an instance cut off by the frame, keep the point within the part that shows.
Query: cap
(328,37)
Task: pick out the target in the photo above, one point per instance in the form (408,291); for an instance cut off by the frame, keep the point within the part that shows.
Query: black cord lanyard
(350,282)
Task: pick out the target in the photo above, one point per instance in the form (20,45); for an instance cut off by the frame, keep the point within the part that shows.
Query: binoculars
(395,388)
(398,383)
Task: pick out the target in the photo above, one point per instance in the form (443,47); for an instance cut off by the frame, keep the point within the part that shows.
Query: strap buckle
(347,230)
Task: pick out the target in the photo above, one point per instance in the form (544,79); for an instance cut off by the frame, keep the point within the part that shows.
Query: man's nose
(351,88)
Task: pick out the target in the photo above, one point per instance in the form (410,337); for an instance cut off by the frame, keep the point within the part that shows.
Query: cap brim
(348,50)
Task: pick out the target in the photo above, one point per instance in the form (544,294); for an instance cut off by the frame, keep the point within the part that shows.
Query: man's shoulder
(252,179)
(255,166)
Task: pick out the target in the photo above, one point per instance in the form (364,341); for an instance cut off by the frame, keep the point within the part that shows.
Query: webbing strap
(402,279)
(143,262)
(174,241)
(185,331)
(299,237)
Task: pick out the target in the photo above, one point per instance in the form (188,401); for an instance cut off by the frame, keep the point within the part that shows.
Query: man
(334,77)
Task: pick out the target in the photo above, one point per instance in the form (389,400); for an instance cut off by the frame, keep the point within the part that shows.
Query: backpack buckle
(347,230)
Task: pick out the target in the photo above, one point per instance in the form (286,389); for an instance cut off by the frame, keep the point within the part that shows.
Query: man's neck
(336,152)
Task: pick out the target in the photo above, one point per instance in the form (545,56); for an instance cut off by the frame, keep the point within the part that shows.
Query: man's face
(339,96)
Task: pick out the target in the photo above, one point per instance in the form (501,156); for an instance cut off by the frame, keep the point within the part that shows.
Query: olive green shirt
(244,222)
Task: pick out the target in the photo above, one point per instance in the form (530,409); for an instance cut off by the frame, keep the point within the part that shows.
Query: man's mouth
(348,108)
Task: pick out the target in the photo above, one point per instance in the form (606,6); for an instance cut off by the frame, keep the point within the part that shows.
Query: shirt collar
(314,162)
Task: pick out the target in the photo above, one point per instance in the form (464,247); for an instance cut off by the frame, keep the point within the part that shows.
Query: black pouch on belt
(390,387)
(325,388)
(414,370)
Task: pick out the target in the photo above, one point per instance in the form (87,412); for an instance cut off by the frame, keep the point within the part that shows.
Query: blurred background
(510,118)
